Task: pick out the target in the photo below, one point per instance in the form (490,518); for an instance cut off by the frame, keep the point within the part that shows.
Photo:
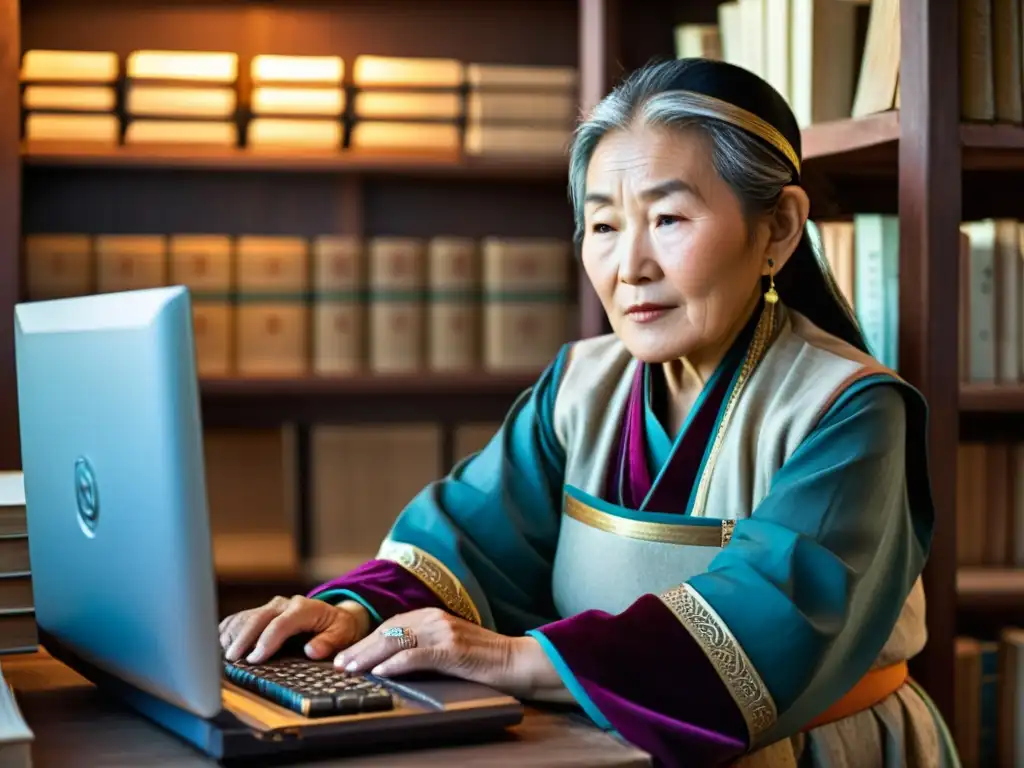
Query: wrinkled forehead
(645,162)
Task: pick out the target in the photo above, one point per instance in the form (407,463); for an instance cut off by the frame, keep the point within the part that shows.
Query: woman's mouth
(647,312)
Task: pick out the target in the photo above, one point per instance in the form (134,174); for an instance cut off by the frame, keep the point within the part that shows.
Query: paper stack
(297,103)
(407,104)
(181,97)
(70,96)
(520,110)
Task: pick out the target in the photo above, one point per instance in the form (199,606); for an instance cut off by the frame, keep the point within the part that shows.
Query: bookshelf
(908,162)
(174,158)
(921,162)
(377,398)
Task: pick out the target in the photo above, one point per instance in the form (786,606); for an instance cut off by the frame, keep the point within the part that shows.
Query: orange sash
(871,689)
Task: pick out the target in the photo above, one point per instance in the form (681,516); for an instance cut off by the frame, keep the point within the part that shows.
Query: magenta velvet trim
(649,677)
(630,479)
(385,585)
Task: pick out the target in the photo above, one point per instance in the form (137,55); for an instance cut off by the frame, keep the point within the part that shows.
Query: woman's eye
(600,229)
(665,219)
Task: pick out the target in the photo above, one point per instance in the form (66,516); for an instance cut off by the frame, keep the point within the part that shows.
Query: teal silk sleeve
(811,585)
(493,521)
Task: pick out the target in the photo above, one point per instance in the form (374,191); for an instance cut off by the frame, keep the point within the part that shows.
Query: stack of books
(297,103)
(520,110)
(17,608)
(336,304)
(181,97)
(410,104)
(70,96)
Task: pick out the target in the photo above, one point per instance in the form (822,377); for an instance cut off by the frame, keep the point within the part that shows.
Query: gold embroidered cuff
(434,574)
(726,655)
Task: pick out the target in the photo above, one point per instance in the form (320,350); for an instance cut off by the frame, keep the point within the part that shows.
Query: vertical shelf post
(930,211)
(10,226)
(598,57)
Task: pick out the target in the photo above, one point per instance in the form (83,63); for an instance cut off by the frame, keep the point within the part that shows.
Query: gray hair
(754,172)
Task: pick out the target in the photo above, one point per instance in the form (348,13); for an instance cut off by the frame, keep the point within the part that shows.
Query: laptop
(120,544)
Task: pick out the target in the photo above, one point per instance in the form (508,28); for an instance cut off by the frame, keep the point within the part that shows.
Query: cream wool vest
(802,373)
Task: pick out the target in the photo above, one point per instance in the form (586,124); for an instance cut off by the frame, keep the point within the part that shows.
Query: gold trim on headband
(434,574)
(665,533)
(748,121)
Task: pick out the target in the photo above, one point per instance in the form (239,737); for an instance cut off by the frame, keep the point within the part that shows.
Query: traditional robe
(747,591)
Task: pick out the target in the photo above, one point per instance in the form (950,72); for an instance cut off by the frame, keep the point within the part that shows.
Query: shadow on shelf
(370,398)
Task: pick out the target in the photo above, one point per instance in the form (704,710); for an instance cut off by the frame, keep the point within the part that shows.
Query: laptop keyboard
(310,688)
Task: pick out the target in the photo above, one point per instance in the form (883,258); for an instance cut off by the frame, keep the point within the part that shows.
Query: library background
(368,201)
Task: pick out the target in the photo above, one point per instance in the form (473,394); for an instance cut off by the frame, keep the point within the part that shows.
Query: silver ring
(406,639)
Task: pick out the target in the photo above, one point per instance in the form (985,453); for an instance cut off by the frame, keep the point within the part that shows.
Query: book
(16,737)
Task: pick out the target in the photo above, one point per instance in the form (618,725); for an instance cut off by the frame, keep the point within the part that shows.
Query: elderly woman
(708,528)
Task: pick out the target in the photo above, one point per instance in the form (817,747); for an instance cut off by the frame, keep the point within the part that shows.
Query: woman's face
(666,245)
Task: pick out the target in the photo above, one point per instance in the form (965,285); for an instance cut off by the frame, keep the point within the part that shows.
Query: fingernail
(351,666)
(255,656)
(380,669)
(339,661)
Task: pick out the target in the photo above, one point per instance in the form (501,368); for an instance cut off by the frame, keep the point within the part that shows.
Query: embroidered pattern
(763,336)
(434,574)
(727,528)
(737,672)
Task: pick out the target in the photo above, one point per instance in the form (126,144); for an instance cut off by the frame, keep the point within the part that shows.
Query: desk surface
(75,726)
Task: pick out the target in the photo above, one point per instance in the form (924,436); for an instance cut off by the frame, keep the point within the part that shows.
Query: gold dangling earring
(770,296)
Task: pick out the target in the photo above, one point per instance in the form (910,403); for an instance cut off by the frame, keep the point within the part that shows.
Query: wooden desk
(75,725)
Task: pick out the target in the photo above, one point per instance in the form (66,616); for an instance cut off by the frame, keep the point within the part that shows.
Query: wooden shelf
(991,398)
(856,145)
(370,398)
(991,147)
(189,158)
(871,143)
(990,589)
(861,143)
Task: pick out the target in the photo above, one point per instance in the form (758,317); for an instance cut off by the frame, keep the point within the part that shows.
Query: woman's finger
(232,624)
(378,646)
(225,621)
(246,633)
(296,619)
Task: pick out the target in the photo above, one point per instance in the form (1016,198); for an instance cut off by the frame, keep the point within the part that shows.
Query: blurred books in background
(390,104)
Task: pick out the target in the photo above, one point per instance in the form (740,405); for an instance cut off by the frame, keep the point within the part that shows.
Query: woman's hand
(438,641)
(265,629)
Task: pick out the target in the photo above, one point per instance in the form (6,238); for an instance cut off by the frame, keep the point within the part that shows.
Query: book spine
(453,305)
(339,280)
(131,262)
(58,266)
(273,313)
(525,302)
(397,282)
